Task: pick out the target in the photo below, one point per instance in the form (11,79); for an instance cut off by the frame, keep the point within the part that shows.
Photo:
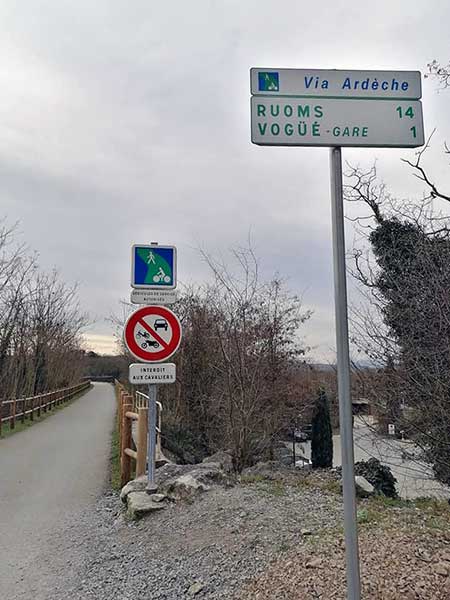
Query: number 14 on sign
(407,113)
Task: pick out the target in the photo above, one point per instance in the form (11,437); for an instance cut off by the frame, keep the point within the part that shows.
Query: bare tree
(40,323)
(238,365)
(405,325)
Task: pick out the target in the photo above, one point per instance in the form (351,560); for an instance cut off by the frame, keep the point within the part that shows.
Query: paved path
(50,475)
(415,478)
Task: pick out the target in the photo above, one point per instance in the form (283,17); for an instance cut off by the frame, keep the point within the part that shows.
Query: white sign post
(152,333)
(311,107)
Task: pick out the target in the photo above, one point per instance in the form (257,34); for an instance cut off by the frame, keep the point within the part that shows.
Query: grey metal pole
(151,447)
(343,369)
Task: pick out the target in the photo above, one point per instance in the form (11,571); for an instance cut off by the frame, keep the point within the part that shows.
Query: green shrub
(378,475)
(321,435)
(184,443)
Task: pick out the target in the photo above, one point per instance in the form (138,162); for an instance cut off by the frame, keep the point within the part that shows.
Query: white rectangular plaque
(152,373)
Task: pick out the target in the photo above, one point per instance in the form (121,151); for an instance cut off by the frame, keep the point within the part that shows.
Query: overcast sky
(125,122)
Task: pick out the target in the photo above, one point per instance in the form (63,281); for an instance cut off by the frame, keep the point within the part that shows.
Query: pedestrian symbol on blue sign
(154,267)
(268,81)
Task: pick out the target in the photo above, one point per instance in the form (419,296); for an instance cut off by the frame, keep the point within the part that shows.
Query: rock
(306,531)
(195,588)
(198,478)
(223,458)
(172,470)
(158,497)
(364,489)
(184,487)
(442,568)
(141,503)
(136,485)
(446,556)
(315,563)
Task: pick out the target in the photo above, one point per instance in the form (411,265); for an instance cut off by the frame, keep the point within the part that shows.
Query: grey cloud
(126,123)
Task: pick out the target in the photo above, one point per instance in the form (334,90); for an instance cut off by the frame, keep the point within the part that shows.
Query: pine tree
(322,435)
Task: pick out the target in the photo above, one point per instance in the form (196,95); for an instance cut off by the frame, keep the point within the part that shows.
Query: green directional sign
(153,267)
(282,121)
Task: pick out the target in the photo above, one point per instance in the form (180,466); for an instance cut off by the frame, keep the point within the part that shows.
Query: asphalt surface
(50,476)
(415,478)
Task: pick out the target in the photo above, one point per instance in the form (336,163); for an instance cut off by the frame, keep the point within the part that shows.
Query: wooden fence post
(32,409)
(142,431)
(12,421)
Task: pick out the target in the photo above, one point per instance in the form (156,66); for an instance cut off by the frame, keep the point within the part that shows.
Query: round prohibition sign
(152,333)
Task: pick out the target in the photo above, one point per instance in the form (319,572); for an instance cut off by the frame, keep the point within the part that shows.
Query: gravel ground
(394,565)
(210,547)
(258,541)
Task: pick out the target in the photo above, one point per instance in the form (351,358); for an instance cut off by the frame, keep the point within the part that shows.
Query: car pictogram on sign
(161,324)
(152,333)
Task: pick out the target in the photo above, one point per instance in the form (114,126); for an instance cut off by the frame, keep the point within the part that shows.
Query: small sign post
(153,333)
(317,107)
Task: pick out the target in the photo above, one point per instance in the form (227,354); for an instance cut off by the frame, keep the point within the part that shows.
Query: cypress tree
(322,434)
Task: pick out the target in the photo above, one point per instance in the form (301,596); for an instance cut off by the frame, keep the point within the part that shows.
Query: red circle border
(136,350)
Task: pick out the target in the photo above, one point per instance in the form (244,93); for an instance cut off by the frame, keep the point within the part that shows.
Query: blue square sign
(268,81)
(154,267)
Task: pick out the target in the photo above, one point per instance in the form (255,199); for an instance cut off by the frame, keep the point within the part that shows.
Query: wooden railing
(23,408)
(134,407)
(126,416)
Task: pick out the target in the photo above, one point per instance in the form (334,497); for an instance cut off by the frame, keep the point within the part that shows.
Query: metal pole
(152,393)
(343,369)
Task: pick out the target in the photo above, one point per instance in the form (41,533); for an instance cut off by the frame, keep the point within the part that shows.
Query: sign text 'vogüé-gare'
(291,107)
